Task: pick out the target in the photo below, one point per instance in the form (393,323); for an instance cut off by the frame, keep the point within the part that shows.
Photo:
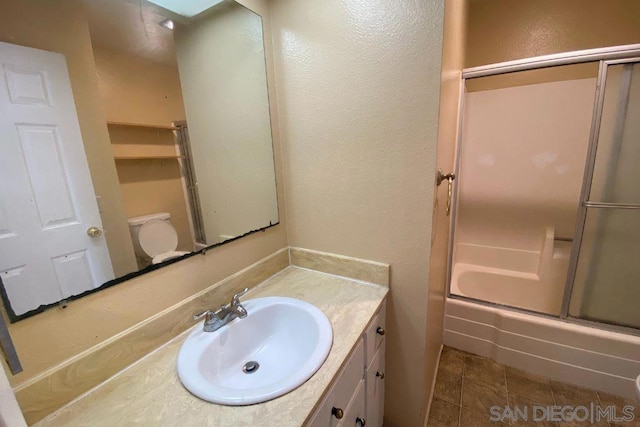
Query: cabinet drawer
(342,392)
(375,389)
(374,335)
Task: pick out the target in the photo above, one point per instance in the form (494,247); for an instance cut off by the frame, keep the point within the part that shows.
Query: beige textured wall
(358,89)
(137,90)
(503,30)
(48,339)
(62,28)
(222,70)
(453,51)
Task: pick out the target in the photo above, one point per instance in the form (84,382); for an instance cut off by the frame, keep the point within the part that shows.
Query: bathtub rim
(603,326)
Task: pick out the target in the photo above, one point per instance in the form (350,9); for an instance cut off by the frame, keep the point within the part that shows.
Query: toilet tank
(139,220)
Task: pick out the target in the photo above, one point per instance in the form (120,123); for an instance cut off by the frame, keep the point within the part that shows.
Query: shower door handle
(440,176)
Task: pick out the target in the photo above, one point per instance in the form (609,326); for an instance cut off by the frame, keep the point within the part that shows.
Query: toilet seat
(159,240)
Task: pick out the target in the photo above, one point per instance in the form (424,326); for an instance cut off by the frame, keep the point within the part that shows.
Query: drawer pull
(380,331)
(361,422)
(337,412)
(380,375)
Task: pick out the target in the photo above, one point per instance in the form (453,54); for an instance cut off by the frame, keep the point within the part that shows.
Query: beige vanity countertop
(150,392)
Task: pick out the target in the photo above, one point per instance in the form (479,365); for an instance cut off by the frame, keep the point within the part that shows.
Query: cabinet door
(375,389)
(341,394)
(355,415)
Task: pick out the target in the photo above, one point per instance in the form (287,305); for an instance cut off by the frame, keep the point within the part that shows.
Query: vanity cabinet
(374,339)
(356,397)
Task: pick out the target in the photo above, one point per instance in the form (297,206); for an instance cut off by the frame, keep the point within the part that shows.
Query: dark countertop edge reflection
(15,318)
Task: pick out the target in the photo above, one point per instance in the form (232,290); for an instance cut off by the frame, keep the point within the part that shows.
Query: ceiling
(131,27)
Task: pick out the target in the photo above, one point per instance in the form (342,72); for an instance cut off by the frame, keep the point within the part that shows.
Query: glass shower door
(606,280)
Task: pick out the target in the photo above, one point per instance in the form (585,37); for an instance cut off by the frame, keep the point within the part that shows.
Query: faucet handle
(235,305)
(236,298)
(207,314)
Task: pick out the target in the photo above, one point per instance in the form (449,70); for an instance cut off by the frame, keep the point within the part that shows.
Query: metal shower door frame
(605,56)
(587,182)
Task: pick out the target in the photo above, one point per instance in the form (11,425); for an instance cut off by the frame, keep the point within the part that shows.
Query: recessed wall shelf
(142,125)
(134,141)
(147,157)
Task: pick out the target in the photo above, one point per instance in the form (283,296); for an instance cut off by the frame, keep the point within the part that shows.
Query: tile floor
(468,385)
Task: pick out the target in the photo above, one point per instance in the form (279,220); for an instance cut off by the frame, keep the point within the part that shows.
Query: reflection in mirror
(223,76)
(129,140)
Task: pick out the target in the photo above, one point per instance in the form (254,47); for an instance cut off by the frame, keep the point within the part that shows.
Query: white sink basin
(288,338)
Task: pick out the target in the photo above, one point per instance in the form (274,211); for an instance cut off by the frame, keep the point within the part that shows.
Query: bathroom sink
(279,345)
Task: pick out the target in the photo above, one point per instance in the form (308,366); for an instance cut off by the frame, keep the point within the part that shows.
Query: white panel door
(47,201)
(10,413)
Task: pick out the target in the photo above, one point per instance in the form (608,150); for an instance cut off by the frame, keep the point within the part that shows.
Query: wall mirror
(132,137)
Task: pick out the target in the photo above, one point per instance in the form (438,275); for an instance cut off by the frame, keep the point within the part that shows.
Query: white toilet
(154,237)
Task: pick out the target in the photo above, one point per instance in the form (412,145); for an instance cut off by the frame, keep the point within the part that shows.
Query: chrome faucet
(214,320)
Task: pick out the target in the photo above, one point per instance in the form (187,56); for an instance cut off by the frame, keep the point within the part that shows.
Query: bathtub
(529,279)
(532,280)
(576,354)
(505,287)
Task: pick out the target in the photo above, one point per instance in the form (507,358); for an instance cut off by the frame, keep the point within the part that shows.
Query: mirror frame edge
(13,318)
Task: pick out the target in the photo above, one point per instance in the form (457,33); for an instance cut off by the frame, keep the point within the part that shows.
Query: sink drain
(250,367)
